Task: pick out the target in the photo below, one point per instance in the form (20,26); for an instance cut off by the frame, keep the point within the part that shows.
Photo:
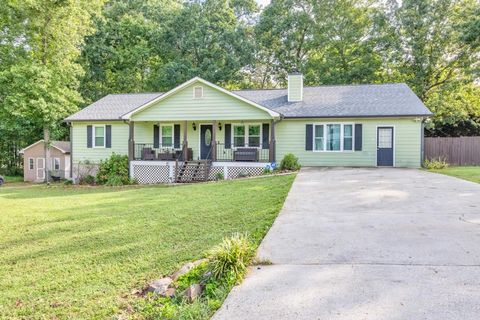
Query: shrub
(289,162)
(86,179)
(219,176)
(436,164)
(68,182)
(230,259)
(114,171)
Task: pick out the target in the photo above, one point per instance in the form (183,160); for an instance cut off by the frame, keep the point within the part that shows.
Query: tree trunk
(46,139)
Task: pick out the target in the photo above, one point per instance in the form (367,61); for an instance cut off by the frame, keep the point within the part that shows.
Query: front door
(40,169)
(206,141)
(385,146)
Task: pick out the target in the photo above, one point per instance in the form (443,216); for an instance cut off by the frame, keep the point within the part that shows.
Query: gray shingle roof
(113,106)
(343,101)
(324,101)
(63,145)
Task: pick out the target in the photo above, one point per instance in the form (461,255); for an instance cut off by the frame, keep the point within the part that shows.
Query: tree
(42,85)
(216,45)
(126,51)
(348,44)
(284,36)
(430,53)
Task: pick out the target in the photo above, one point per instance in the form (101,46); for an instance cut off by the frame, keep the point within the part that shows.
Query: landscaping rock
(192,292)
(170,292)
(186,267)
(160,286)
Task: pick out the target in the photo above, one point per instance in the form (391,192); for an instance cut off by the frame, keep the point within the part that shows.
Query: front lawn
(466,173)
(72,252)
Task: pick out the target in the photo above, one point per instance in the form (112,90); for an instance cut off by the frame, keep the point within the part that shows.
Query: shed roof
(63,146)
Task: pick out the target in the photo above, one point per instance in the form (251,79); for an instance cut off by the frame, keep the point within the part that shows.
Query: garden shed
(34,161)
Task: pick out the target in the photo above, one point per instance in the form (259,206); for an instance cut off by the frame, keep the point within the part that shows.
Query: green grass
(466,173)
(72,252)
(11,179)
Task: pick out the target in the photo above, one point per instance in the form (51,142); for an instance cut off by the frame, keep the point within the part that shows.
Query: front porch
(216,140)
(187,151)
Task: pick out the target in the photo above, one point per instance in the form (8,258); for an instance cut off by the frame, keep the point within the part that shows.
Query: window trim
(94,144)
(194,90)
(325,124)
(53,163)
(31,163)
(160,132)
(247,135)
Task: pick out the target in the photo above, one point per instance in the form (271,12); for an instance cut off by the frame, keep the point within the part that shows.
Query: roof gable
(62,146)
(213,94)
(216,103)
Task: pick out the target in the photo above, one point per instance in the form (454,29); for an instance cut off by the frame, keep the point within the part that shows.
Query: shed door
(40,169)
(385,146)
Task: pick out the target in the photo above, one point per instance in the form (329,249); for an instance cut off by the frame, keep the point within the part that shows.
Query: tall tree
(216,45)
(42,87)
(430,53)
(126,51)
(347,42)
(284,36)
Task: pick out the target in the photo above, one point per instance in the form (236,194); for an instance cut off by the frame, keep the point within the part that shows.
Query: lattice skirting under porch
(152,172)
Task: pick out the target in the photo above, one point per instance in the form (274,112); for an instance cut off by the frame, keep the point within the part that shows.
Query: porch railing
(148,151)
(253,153)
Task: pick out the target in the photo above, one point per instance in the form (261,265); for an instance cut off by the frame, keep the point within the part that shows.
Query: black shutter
(228,136)
(108,136)
(309,137)
(176,136)
(358,137)
(156,136)
(89,136)
(266,136)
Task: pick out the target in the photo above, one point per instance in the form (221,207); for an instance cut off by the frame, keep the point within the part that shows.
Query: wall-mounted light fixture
(194,126)
(220,126)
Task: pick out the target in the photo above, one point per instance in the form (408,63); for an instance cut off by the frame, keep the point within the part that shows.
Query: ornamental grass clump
(230,259)
(436,164)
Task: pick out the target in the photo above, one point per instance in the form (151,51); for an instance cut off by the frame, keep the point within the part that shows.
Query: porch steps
(193,171)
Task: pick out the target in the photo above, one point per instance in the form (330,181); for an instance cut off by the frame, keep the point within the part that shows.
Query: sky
(263,2)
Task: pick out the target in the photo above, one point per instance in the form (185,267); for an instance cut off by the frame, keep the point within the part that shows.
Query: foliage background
(57,56)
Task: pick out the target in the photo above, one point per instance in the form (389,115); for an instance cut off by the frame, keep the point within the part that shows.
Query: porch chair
(148,154)
(245,154)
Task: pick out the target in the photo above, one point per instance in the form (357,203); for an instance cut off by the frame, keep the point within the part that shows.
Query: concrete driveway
(368,244)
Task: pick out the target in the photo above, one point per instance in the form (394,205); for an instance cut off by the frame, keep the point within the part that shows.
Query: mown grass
(470,173)
(11,179)
(72,252)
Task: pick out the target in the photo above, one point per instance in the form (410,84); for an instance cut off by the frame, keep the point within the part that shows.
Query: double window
(99,136)
(247,135)
(333,137)
(166,135)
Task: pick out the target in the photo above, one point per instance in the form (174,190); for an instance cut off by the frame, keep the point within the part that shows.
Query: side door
(40,168)
(385,146)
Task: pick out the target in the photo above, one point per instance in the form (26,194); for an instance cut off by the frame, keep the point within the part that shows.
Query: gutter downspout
(422,143)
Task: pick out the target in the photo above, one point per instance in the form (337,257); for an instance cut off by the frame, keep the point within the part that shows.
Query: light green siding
(182,106)
(295,87)
(80,152)
(290,138)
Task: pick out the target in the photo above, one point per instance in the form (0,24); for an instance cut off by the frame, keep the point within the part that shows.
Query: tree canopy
(60,55)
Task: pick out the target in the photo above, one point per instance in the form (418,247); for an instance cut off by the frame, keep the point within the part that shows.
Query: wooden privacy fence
(459,151)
